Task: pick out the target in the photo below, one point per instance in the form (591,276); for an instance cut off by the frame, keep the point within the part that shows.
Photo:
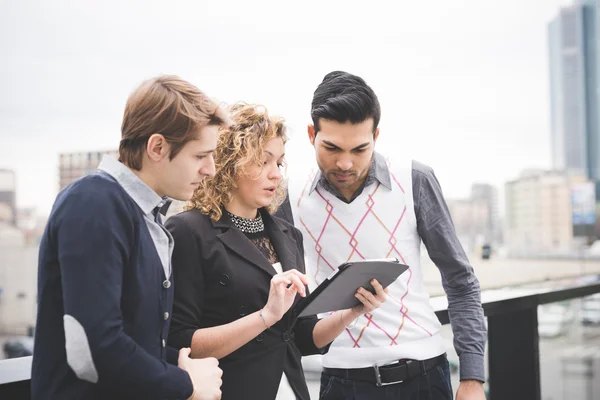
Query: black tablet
(337,291)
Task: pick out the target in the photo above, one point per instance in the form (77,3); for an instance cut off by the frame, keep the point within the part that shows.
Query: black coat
(220,276)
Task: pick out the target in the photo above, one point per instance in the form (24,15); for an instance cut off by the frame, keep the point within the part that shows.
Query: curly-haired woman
(238,269)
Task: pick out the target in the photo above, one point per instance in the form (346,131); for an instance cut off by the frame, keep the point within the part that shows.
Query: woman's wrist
(268,318)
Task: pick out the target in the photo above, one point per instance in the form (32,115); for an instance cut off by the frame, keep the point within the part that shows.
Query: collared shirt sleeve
(436,229)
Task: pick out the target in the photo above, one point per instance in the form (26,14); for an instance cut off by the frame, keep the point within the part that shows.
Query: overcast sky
(463,84)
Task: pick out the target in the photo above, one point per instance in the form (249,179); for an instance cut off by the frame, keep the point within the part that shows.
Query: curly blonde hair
(239,148)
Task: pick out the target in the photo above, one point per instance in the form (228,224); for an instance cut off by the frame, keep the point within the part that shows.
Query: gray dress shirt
(148,200)
(437,232)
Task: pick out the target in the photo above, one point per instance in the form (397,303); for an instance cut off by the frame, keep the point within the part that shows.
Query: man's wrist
(354,314)
(471,382)
(472,367)
(348,316)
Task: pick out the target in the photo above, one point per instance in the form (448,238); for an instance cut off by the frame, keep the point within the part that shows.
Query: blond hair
(167,105)
(240,147)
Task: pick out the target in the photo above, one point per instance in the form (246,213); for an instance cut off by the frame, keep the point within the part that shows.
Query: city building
(539,214)
(31,224)
(488,195)
(470,221)
(18,272)
(476,218)
(73,166)
(574,77)
(8,202)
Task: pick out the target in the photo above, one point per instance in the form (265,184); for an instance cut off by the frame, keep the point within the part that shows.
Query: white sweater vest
(380,223)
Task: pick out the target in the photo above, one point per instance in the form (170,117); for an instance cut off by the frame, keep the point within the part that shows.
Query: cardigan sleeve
(94,232)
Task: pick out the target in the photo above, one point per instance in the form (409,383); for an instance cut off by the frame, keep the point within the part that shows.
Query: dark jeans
(434,385)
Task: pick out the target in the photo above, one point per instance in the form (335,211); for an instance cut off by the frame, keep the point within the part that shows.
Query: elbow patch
(79,354)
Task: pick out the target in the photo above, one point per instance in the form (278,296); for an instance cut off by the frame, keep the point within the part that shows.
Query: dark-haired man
(360,204)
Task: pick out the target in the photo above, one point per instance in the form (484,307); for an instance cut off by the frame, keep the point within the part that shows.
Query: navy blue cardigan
(98,266)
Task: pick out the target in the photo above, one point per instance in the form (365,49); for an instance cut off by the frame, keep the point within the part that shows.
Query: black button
(286,336)
(260,337)
(224,279)
(244,311)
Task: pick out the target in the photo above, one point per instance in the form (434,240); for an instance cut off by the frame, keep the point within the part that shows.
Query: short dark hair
(343,97)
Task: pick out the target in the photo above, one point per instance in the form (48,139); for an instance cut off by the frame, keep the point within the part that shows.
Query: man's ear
(157,147)
(312,134)
(375,135)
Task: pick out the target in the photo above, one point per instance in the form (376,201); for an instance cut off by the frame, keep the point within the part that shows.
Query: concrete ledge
(15,370)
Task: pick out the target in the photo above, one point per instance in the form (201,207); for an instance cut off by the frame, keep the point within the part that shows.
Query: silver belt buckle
(378,378)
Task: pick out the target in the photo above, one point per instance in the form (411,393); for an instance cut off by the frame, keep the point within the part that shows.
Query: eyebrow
(207,151)
(273,155)
(359,147)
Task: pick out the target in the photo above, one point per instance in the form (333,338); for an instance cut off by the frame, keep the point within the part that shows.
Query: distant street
(498,272)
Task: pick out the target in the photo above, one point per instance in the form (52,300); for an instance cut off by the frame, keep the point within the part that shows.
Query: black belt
(388,374)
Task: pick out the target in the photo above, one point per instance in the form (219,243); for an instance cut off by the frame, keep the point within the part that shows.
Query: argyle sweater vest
(379,223)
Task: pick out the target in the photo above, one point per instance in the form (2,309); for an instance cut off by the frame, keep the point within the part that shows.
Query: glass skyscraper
(573,50)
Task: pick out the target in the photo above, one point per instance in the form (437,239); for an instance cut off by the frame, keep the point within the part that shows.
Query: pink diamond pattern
(354,244)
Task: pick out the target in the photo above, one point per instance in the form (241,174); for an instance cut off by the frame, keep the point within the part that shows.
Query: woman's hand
(281,297)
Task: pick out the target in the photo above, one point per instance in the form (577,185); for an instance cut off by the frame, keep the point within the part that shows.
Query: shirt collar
(146,198)
(378,171)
